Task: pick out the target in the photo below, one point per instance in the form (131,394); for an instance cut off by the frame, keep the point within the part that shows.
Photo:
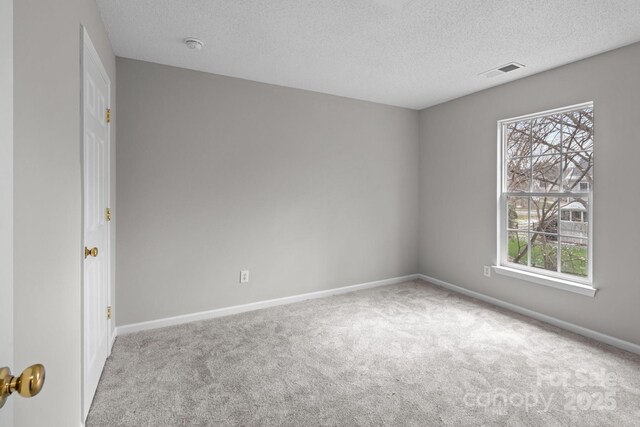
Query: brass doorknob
(28,384)
(93,252)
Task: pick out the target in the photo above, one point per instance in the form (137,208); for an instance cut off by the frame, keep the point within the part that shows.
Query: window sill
(540,279)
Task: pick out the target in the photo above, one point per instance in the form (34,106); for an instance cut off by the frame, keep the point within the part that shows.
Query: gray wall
(458,173)
(307,191)
(48,200)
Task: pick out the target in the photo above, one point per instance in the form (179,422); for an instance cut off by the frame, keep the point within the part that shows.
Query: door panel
(96,233)
(6,197)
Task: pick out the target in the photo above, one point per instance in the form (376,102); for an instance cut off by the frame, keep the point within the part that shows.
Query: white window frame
(568,282)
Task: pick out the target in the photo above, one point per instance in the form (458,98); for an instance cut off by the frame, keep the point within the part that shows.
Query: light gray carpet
(407,354)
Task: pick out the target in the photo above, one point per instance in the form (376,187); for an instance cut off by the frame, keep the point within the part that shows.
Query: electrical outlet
(244,276)
(487,271)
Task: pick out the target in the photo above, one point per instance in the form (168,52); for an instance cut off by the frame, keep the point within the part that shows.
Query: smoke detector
(503,69)
(193,43)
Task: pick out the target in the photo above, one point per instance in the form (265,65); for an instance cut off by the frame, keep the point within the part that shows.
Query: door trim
(85,41)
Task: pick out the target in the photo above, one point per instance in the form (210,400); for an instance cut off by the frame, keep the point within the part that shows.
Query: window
(546,187)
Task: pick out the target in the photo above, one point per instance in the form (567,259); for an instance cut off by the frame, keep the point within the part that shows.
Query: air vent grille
(508,68)
(503,69)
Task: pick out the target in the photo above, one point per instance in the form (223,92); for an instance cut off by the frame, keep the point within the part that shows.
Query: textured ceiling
(410,53)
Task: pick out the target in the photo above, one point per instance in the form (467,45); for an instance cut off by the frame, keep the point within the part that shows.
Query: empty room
(319,213)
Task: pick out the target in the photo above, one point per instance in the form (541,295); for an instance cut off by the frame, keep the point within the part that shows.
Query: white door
(95,96)
(6,198)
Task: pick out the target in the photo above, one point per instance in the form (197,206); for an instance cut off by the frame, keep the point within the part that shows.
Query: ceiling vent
(503,69)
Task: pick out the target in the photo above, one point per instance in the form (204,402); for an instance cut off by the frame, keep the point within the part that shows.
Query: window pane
(517,249)
(575,256)
(518,174)
(544,157)
(518,213)
(518,136)
(544,214)
(577,130)
(578,171)
(574,219)
(545,135)
(546,174)
(544,252)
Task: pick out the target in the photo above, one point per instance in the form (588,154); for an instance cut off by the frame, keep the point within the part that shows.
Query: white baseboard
(114,334)
(226,311)
(598,336)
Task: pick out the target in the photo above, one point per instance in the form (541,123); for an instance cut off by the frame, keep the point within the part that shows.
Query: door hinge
(108,115)
(107,214)
(108,312)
